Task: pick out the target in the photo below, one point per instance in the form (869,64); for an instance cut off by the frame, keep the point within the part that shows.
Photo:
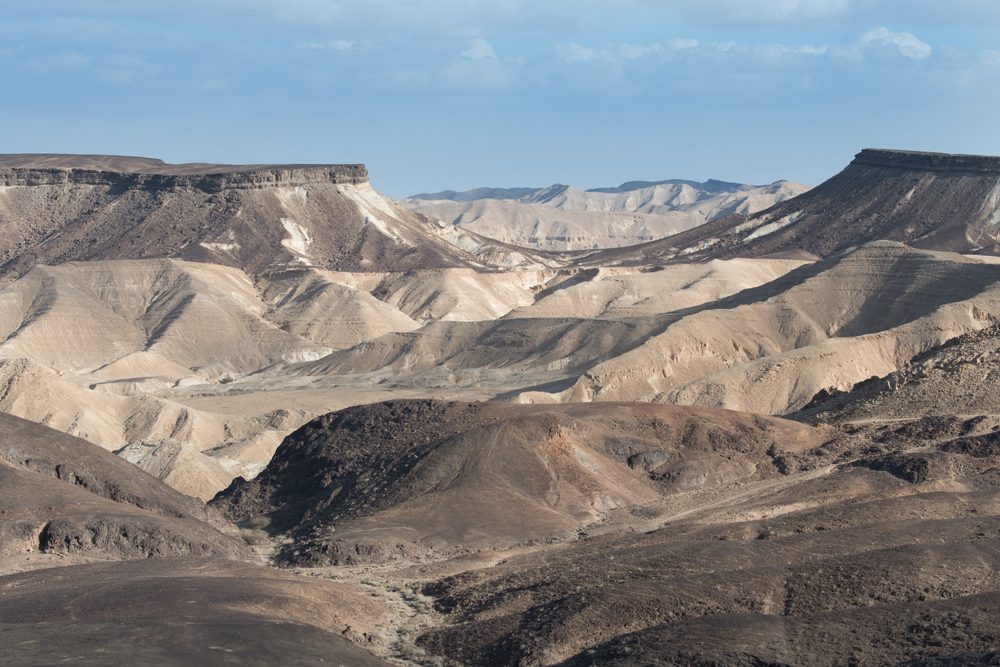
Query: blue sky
(435,94)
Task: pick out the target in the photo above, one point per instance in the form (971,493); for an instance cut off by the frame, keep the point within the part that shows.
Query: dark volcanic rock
(406,477)
(877,579)
(910,468)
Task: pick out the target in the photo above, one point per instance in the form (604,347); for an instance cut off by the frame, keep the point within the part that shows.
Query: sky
(436,94)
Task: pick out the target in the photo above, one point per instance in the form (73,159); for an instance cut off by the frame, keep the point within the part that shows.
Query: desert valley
(264,414)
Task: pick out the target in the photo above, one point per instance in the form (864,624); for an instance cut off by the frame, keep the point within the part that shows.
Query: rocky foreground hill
(421,446)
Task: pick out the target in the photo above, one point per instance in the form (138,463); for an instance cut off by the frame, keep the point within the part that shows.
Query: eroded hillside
(777,447)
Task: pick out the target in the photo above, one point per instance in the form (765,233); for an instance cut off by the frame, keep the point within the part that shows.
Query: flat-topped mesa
(934,201)
(148,173)
(256,217)
(925,161)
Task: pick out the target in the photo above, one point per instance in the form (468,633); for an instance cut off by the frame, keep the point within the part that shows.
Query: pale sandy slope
(141,356)
(113,351)
(196,371)
(826,326)
(758,337)
(622,293)
(556,338)
(567,218)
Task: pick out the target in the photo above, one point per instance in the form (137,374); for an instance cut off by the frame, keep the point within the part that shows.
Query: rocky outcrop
(62,495)
(213,178)
(924,161)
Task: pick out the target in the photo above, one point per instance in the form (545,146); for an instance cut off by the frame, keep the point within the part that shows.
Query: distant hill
(562,217)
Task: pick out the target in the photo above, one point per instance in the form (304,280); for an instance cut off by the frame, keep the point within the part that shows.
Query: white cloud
(672,49)
(775,51)
(682,44)
(637,51)
(479,49)
(990,57)
(478,66)
(336,45)
(908,44)
(572,52)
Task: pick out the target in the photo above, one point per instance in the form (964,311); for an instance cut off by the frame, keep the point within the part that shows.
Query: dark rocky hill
(403,478)
(65,497)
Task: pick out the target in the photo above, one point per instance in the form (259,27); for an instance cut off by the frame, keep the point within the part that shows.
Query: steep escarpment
(126,173)
(55,209)
(933,201)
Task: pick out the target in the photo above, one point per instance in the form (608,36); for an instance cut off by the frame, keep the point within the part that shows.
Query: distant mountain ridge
(528,193)
(711,185)
(563,217)
(477,193)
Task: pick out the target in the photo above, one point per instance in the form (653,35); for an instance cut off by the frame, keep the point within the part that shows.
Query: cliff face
(922,161)
(927,200)
(55,209)
(211,178)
